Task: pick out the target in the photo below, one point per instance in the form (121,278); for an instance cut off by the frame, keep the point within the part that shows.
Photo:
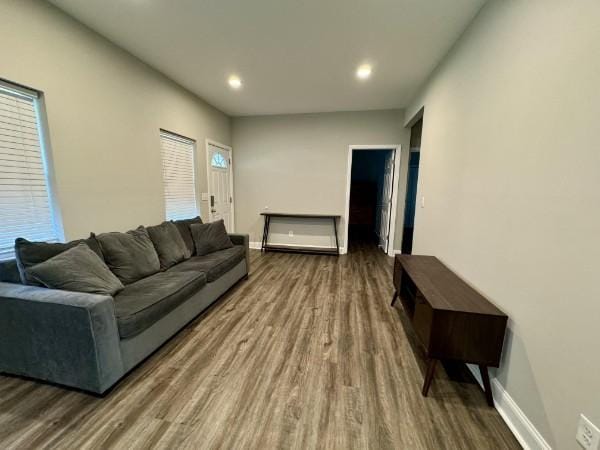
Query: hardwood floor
(305,354)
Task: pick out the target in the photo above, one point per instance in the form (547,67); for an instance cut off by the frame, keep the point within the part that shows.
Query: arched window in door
(218,161)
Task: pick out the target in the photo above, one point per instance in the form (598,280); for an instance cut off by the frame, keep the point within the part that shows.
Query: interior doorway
(411,188)
(371,197)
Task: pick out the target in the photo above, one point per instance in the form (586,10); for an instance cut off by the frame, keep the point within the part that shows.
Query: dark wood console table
(265,246)
(451,320)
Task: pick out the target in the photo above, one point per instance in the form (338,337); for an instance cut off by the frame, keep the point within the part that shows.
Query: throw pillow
(169,244)
(28,254)
(210,237)
(78,269)
(130,256)
(184,229)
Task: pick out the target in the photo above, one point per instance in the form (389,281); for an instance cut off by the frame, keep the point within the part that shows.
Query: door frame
(397,148)
(230,150)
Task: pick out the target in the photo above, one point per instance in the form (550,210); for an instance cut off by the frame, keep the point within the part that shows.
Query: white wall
(104,109)
(510,169)
(298,163)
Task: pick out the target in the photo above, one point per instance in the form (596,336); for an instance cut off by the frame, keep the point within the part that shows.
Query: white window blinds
(178,176)
(25,206)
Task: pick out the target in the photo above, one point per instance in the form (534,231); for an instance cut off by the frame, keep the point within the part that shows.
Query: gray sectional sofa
(90,341)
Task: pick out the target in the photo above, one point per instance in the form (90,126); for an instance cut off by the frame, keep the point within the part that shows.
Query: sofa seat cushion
(146,301)
(214,264)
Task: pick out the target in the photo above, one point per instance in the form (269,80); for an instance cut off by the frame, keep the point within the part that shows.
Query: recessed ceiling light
(235,82)
(364,71)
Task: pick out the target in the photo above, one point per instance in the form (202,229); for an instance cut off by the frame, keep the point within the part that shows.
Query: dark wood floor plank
(305,354)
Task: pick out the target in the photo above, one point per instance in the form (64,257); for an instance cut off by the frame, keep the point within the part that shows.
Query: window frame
(187,140)
(39,106)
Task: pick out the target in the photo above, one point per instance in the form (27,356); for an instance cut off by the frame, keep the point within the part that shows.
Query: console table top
(308,216)
(442,288)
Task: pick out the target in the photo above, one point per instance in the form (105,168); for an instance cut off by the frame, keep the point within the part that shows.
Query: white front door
(386,201)
(220,185)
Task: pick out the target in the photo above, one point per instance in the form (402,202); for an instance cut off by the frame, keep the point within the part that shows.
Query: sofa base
(62,337)
(72,338)
(137,348)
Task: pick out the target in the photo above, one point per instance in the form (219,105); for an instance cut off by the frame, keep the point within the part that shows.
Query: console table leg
(262,244)
(485,376)
(266,232)
(395,297)
(429,376)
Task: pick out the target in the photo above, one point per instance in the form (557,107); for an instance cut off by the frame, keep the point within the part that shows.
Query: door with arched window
(220,184)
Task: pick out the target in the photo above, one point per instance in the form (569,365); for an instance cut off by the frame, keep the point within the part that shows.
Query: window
(25,203)
(218,161)
(178,176)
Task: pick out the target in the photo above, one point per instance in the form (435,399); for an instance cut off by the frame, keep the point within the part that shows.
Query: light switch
(423,202)
(205,196)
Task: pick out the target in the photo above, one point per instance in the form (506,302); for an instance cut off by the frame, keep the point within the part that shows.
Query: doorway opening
(371,197)
(411,187)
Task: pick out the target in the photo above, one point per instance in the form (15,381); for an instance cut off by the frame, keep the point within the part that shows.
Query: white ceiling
(292,55)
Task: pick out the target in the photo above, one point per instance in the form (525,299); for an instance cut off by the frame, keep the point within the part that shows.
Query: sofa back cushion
(130,256)
(168,244)
(184,229)
(210,237)
(78,269)
(28,254)
(9,272)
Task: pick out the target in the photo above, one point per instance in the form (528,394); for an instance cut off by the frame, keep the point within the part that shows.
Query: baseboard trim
(514,417)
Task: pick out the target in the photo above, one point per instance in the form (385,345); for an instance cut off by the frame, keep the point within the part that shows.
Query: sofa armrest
(242,239)
(63,337)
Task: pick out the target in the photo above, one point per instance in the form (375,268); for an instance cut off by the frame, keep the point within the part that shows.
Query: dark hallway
(367,202)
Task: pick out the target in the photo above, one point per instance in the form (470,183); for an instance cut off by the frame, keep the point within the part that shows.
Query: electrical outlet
(266,208)
(588,435)
(291,233)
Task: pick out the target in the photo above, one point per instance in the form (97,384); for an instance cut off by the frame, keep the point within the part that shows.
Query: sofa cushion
(210,237)
(78,269)
(144,302)
(29,254)
(214,264)
(169,244)
(130,256)
(184,229)
(9,272)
